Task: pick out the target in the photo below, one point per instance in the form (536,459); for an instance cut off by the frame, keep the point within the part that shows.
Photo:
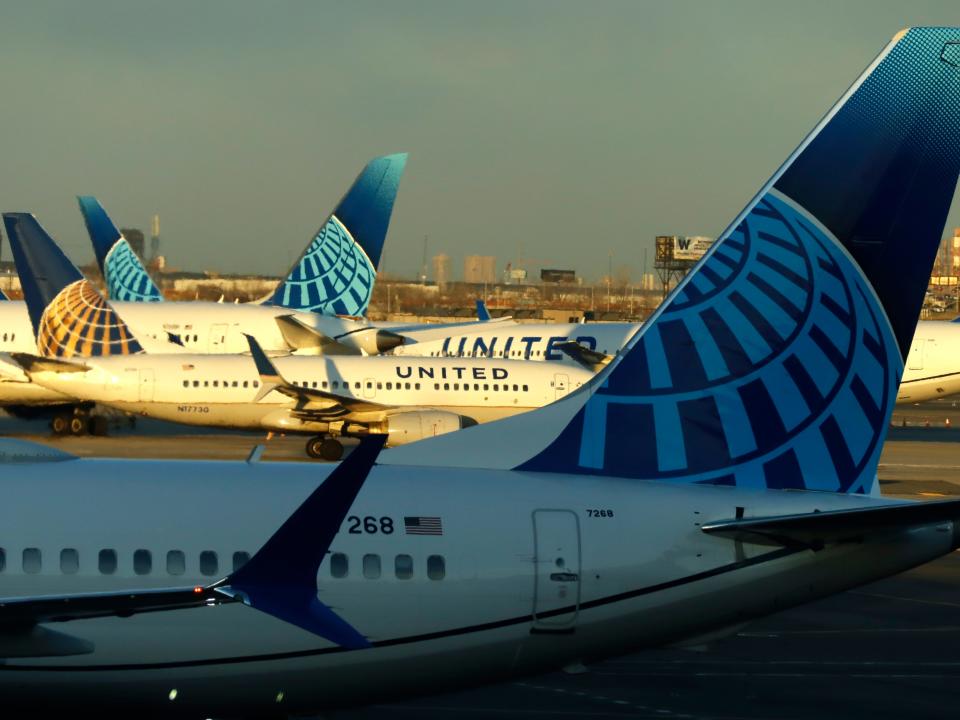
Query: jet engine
(408,427)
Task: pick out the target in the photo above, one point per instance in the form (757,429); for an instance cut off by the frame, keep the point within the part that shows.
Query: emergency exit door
(556,561)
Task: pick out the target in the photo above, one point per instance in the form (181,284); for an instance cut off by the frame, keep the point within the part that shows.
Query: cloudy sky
(558,131)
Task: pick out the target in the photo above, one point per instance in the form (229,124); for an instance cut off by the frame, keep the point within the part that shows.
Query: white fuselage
(530,572)
(221,390)
(202,327)
(933,366)
(522,341)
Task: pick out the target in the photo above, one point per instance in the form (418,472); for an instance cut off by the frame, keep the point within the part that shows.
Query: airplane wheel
(98,426)
(315,447)
(331,449)
(60,424)
(78,425)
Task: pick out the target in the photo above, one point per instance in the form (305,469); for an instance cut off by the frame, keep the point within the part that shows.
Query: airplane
(206,327)
(933,363)
(334,275)
(327,396)
(661,503)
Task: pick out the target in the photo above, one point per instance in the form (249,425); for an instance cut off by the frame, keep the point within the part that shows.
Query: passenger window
(389,386)
(526,388)
(515,388)
(176,562)
(476,386)
(314,383)
(246,383)
(486,386)
(417,386)
(404,567)
(69,561)
(379,386)
(196,383)
(142,562)
(31,560)
(208,562)
(324,384)
(371,567)
(496,387)
(436,386)
(436,567)
(206,383)
(406,386)
(446,386)
(334,384)
(235,383)
(186,383)
(216,383)
(356,386)
(3,559)
(256,383)
(456,386)
(107,562)
(240,559)
(369,386)
(339,565)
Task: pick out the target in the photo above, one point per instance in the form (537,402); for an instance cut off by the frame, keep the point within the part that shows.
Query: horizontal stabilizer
(36,363)
(833,526)
(300,336)
(590,359)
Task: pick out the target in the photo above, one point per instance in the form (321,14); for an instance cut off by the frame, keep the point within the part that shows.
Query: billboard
(690,247)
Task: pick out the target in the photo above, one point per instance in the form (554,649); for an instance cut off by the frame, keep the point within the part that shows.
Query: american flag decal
(423,526)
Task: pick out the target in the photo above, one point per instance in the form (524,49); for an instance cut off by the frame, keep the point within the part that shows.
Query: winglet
(483,315)
(270,377)
(281,578)
(124,274)
(3,296)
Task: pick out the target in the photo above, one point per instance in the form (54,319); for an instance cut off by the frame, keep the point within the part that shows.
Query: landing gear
(78,422)
(324,448)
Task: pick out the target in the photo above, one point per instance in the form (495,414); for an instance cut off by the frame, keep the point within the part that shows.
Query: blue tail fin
(776,362)
(336,272)
(124,274)
(70,318)
(483,315)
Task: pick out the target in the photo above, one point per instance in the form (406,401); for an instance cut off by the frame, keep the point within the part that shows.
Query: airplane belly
(29,393)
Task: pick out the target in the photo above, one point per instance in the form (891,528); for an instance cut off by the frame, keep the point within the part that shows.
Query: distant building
(441,270)
(478,269)
(134,239)
(567,277)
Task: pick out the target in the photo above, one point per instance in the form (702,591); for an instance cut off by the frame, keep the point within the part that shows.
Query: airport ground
(887,650)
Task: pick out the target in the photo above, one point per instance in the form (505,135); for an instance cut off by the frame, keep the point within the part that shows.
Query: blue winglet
(3,296)
(281,578)
(336,273)
(124,274)
(483,315)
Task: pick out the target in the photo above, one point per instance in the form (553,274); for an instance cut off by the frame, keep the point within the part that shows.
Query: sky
(566,133)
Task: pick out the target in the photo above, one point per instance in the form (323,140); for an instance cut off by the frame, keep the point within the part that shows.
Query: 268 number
(370,525)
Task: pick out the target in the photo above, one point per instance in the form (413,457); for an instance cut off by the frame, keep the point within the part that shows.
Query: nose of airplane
(387,340)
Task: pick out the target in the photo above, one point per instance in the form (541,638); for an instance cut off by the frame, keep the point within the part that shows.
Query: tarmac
(887,650)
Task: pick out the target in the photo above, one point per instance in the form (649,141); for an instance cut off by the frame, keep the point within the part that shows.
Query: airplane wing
(271,379)
(590,359)
(831,526)
(280,579)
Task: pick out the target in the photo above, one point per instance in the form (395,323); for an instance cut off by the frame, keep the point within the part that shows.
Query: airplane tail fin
(70,318)
(3,296)
(126,277)
(775,363)
(336,272)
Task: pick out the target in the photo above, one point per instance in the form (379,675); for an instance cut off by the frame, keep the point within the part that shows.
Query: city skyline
(556,131)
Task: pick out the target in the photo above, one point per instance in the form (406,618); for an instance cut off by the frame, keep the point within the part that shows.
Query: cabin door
(147,383)
(561,383)
(556,563)
(218,337)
